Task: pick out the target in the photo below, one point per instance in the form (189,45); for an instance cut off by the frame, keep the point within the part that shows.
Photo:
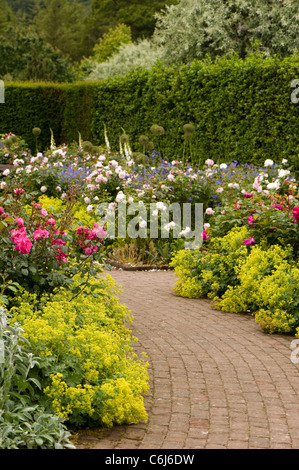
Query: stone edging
(145,267)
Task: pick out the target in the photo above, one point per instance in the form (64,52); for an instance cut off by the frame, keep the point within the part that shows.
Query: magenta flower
(248,195)
(23,245)
(250,219)
(15,234)
(296,214)
(204,235)
(90,250)
(21,241)
(60,256)
(249,241)
(20,222)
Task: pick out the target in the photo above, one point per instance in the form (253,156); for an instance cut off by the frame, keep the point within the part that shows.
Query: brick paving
(216,380)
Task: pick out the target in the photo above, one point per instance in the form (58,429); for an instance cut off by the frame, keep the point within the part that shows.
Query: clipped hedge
(64,108)
(241,109)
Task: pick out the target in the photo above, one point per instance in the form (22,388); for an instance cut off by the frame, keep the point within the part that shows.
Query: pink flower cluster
(19,191)
(57,243)
(40,233)
(20,239)
(85,235)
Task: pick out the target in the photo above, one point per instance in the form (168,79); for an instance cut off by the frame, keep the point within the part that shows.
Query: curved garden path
(216,380)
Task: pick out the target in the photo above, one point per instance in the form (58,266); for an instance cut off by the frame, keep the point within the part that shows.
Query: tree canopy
(194,29)
(6,15)
(138,14)
(113,36)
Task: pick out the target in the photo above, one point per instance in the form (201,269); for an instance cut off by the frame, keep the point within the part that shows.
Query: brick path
(216,380)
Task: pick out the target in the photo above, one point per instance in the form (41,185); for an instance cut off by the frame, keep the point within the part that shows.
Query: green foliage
(261,280)
(194,29)
(267,287)
(207,274)
(111,41)
(11,147)
(138,14)
(264,221)
(25,55)
(6,15)
(62,25)
(22,8)
(107,46)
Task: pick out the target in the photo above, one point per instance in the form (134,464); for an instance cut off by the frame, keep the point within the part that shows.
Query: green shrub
(268,287)
(204,273)
(261,280)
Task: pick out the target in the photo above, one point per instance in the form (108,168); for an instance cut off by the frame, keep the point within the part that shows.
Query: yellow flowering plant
(89,372)
(268,288)
(206,274)
(262,280)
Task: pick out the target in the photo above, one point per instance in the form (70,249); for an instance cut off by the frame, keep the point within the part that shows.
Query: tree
(194,29)
(108,45)
(21,7)
(6,15)
(111,41)
(29,7)
(62,24)
(25,55)
(138,14)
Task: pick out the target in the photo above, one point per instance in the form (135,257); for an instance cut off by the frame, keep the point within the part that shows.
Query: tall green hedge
(241,109)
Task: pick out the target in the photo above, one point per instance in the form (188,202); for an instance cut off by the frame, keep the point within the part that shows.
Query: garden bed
(66,212)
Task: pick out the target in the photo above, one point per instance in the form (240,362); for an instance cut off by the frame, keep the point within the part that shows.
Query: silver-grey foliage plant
(23,423)
(142,54)
(194,29)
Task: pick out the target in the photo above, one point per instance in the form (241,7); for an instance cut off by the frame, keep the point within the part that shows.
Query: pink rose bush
(40,254)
